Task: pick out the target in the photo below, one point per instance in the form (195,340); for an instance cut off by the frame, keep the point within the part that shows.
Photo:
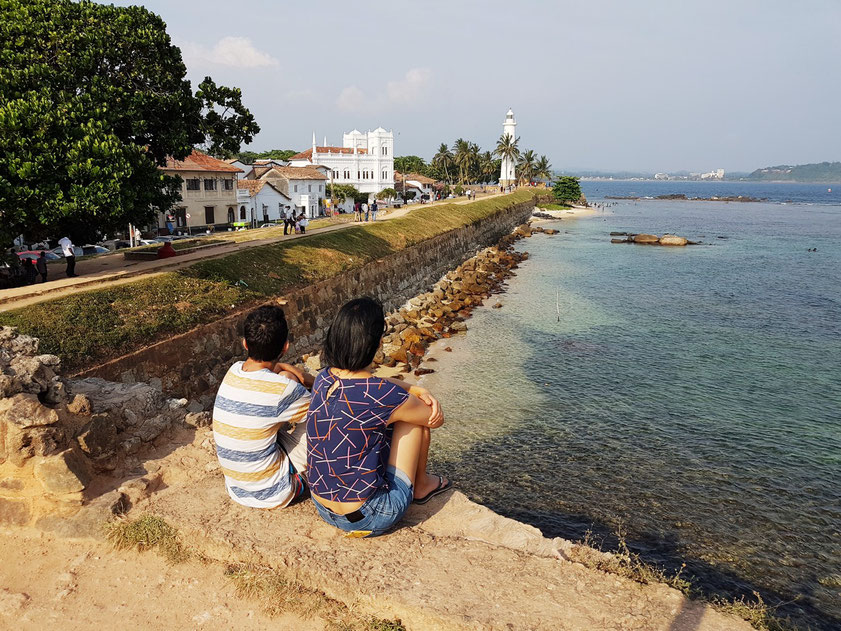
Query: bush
(567,189)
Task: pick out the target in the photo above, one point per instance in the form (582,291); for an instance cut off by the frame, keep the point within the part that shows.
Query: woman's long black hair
(354,335)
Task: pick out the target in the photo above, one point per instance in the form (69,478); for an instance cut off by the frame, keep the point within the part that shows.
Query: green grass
(555,207)
(90,327)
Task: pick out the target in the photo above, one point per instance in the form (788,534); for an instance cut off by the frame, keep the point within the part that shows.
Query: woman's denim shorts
(380,512)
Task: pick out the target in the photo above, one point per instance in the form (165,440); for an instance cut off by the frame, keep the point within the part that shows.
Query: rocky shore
(650,239)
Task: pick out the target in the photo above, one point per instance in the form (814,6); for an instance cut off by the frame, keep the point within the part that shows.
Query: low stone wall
(192,364)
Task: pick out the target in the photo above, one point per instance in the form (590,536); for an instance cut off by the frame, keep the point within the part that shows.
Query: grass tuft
(146,533)
(278,595)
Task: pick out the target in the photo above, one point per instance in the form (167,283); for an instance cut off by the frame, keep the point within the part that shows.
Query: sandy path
(47,583)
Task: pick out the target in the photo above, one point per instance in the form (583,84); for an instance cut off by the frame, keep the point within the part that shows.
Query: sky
(648,85)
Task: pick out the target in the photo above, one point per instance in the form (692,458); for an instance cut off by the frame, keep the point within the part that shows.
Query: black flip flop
(436,491)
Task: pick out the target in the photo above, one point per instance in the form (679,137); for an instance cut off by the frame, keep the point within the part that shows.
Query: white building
(508,172)
(415,183)
(365,160)
(260,201)
(305,186)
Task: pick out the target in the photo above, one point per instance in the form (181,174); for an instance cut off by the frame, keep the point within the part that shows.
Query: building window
(358,175)
(231,216)
(265,213)
(385,151)
(385,175)
(309,188)
(209,215)
(242,212)
(296,188)
(210,185)
(228,184)
(321,188)
(193,184)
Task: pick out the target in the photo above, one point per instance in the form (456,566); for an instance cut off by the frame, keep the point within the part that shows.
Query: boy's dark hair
(265,333)
(354,335)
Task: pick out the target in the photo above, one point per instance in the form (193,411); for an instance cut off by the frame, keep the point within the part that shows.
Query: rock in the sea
(671,239)
(621,241)
(646,238)
(550,231)
(423,371)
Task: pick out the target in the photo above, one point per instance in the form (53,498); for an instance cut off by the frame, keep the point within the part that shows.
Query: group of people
(33,268)
(293,224)
(365,212)
(356,443)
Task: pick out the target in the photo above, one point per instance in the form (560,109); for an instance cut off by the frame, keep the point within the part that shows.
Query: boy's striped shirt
(251,408)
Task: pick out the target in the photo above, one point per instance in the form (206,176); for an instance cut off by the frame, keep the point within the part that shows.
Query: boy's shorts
(380,512)
(295,446)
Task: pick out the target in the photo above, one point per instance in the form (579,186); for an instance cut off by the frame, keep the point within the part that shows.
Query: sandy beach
(575,211)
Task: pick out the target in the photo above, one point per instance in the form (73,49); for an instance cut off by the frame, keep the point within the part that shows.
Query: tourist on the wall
(69,255)
(374,209)
(41,266)
(303,222)
(368,437)
(258,417)
(365,210)
(29,272)
(357,211)
(288,221)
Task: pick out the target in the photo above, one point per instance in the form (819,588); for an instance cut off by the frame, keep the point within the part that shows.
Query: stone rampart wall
(192,364)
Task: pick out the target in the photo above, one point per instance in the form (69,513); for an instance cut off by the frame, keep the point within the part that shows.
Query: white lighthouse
(508,173)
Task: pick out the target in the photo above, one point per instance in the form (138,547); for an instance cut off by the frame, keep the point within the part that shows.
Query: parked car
(34,254)
(84,250)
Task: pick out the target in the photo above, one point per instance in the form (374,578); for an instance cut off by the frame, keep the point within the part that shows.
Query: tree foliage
(341,192)
(249,157)
(567,189)
(93,98)
(387,193)
(410,164)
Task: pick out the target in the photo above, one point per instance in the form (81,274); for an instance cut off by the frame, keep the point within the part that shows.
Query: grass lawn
(92,326)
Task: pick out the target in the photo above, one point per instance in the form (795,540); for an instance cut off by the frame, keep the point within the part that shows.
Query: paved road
(112,270)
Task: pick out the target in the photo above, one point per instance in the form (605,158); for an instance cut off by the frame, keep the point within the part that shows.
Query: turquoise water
(689,396)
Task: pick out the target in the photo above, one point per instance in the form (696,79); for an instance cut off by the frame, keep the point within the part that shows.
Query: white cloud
(352,99)
(409,90)
(236,52)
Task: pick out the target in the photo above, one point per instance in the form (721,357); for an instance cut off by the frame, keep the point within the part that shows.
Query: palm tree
(462,158)
(487,167)
(526,166)
(443,159)
(543,169)
(506,148)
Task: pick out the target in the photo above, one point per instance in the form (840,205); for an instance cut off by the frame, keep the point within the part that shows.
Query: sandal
(442,486)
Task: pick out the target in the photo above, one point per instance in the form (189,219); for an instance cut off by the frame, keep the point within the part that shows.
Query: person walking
(365,210)
(357,211)
(288,221)
(69,255)
(374,209)
(41,266)
(29,273)
(303,222)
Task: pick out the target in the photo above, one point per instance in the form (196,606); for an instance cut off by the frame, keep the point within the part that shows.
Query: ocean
(689,398)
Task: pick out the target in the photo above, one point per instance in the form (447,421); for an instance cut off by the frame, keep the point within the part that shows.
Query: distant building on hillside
(208,193)
(508,171)
(365,160)
(718,174)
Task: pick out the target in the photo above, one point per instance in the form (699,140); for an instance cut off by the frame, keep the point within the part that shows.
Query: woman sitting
(368,437)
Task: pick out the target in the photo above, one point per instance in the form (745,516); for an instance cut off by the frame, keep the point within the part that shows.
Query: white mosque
(508,173)
(365,160)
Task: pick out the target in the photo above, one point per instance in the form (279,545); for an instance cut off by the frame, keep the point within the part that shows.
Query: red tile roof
(255,186)
(417,177)
(306,155)
(198,161)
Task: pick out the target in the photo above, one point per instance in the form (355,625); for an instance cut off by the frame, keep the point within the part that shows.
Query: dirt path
(112,270)
(76,586)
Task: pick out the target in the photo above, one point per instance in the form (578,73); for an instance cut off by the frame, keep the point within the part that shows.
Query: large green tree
(508,147)
(567,189)
(410,164)
(443,160)
(93,98)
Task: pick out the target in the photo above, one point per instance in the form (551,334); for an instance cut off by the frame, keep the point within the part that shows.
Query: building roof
(198,161)
(255,186)
(417,177)
(298,173)
(307,155)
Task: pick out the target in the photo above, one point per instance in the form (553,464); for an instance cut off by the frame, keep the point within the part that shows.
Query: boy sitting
(260,439)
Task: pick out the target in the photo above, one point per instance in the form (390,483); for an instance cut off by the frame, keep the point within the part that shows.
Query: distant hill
(829,172)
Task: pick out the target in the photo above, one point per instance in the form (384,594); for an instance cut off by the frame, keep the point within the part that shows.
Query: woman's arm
(416,412)
(423,394)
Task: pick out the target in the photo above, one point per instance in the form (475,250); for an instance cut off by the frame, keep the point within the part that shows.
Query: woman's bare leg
(409,453)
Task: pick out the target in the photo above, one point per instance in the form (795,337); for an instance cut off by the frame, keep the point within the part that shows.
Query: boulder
(98,439)
(313,363)
(550,231)
(62,474)
(621,241)
(80,405)
(646,238)
(671,239)
(28,428)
